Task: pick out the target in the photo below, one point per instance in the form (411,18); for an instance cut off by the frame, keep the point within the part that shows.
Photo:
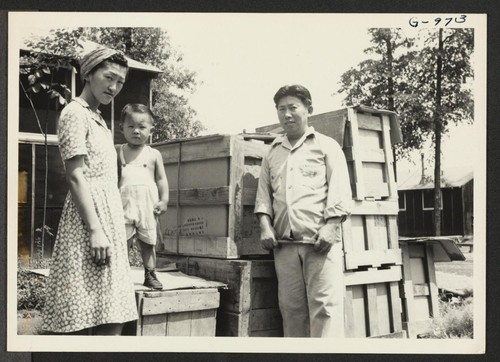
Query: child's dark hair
(132,108)
(294,90)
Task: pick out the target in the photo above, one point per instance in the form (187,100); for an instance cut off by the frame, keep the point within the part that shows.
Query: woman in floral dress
(89,288)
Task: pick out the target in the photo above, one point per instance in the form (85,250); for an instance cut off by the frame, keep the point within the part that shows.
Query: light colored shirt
(300,187)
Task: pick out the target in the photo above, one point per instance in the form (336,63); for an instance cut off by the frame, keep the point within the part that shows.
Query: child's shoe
(151,281)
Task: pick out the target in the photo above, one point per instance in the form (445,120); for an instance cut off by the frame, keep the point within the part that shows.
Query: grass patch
(456,319)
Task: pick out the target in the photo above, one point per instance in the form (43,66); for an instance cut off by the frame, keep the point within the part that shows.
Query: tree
(174,118)
(423,83)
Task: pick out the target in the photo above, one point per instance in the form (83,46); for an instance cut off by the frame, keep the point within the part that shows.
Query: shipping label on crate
(193,226)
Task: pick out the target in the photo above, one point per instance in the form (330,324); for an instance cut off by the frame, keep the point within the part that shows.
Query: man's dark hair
(294,90)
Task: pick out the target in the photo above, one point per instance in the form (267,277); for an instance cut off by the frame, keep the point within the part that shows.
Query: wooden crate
(213,182)
(249,306)
(372,303)
(370,235)
(420,291)
(366,135)
(190,312)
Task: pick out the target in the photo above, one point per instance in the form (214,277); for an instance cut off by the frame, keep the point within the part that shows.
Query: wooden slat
(236,169)
(408,296)
(372,276)
(263,319)
(251,246)
(395,298)
(369,121)
(358,166)
(206,245)
(371,299)
(154,325)
(349,327)
(232,324)
(374,258)
(179,324)
(202,148)
(203,323)
(370,234)
(180,301)
(347,239)
(431,272)
(375,208)
(200,196)
(235,273)
(392,232)
(373,155)
(249,195)
(255,149)
(386,137)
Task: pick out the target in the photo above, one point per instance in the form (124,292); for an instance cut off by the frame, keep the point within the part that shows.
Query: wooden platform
(187,305)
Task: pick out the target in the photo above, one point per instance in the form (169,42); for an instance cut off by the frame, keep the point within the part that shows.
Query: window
(428,199)
(402,201)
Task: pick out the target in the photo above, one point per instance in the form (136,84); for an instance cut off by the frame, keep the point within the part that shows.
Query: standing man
(303,196)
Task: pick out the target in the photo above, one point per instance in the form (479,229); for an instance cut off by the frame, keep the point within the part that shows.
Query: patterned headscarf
(93,58)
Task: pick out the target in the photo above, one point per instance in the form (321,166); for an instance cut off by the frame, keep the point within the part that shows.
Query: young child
(143,185)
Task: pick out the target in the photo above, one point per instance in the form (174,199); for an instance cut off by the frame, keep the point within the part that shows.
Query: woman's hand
(99,247)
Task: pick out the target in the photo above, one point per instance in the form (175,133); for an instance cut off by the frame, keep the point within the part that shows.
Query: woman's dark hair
(294,90)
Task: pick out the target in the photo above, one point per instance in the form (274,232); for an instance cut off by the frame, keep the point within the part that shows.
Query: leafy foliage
(455,319)
(30,290)
(400,76)
(174,118)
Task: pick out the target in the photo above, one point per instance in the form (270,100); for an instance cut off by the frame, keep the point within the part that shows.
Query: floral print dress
(81,294)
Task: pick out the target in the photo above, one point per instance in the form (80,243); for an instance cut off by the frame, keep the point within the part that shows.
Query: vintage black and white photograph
(310,183)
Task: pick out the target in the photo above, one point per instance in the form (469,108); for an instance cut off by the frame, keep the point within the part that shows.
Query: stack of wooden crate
(210,230)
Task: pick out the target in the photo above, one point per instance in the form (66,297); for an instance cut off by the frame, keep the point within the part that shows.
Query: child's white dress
(139,194)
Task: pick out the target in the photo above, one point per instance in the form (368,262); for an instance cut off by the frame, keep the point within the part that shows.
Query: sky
(241,60)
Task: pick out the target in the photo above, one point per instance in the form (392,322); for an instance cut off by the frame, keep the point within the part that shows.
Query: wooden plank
(373,276)
(235,273)
(392,232)
(265,319)
(233,324)
(369,121)
(372,155)
(359,305)
(371,299)
(194,149)
(180,301)
(263,292)
(249,195)
(431,272)
(357,161)
(236,165)
(154,325)
(389,169)
(384,312)
(255,149)
(375,208)
(395,298)
(209,246)
(349,327)
(179,324)
(373,258)
(370,233)
(203,323)
(347,238)
(200,196)
(408,296)
(267,333)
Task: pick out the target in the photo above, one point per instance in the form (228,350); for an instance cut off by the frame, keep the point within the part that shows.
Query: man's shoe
(151,281)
